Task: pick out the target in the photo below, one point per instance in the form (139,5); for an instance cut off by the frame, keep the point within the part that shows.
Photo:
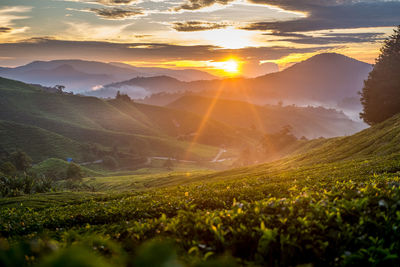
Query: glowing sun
(230,66)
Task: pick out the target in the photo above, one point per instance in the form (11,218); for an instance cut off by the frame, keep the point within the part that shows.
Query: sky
(220,36)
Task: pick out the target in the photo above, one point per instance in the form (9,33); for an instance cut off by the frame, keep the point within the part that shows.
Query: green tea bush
(23,184)
(340,214)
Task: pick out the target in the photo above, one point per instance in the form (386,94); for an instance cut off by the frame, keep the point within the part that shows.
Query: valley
(144,162)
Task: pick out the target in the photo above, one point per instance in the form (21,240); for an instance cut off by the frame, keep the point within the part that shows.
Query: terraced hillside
(334,203)
(311,122)
(75,121)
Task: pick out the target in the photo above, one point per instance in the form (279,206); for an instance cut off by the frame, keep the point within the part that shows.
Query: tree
(380,96)
(168,164)
(8,168)
(74,172)
(275,142)
(59,88)
(110,162)
(123,97)
(21,160)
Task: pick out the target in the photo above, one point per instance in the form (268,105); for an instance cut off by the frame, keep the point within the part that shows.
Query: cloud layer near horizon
(46,49)
(191,30)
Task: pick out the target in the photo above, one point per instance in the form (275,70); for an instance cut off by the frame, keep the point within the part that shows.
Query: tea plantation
(329,205)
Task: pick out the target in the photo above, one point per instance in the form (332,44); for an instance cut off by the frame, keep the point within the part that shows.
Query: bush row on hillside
(17,177)
(323,223)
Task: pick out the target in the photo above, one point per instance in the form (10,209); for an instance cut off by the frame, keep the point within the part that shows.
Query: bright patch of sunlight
(231,66)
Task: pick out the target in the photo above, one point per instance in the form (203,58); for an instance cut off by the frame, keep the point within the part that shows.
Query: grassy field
(335,203)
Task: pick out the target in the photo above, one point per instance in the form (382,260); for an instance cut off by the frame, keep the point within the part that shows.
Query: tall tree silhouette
(381,93)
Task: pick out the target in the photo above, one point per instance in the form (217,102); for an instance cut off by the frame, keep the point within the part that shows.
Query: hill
(188,126)
(140,87)
(185,75)
(84,120)
(80,75)
(337,204)
(40,144)
(311,122)
(328,79)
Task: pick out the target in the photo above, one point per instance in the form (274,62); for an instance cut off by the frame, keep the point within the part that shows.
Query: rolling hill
(73,122)
(337,204)
(184,125)
(80,75)
(331,80)
(140,87)
(311,122)
(185,75)
(324,78)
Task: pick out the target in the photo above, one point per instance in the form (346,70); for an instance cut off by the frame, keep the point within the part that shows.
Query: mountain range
(52,124)
(329,79)
(79,75)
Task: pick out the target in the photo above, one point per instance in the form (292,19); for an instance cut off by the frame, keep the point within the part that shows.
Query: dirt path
(220,152)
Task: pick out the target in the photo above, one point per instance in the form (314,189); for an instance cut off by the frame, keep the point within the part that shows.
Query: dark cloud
(118,2)
(299,5)
(323,15)
(192,26)
(5,29)
(48,49)
(115,2)
(307,5)
(331,38)
(116,12)
(199,4)
(142,35)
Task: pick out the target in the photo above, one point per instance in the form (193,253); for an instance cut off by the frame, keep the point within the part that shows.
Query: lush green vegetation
(85,128)
(336,203)
(56,169)
(380,95)
(131,203)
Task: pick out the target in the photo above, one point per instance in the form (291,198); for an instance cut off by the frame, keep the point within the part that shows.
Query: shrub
(23,184)
(168,164)
(21,160)
(74,172)
(110,162)
(8,168)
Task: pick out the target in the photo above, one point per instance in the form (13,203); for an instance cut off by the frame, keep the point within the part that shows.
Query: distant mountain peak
(331,57)
(64,67)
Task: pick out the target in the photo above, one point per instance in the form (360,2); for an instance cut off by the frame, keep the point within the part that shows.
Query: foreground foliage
(344,213)
(11,186)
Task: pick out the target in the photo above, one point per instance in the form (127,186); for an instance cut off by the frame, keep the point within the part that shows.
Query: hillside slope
(318,210)
(309,122)
(381,140)
(373,150)
(87,120)
(328,79)
(189,126)
(39,143)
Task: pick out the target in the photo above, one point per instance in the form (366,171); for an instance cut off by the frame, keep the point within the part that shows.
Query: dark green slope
(183,125)
(88,120)
(311,122)
(376,149)
(38,143)
(378,141)
(23,101)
